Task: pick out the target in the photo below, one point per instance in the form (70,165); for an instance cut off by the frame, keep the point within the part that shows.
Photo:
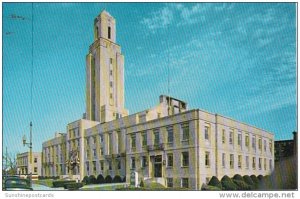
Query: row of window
(101,165)
(184,182)
(247,162)
(247,141)
(185,161)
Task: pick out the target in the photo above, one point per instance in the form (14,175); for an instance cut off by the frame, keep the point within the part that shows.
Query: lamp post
(29,144)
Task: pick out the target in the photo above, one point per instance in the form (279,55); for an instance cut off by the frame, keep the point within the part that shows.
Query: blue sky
(237,60)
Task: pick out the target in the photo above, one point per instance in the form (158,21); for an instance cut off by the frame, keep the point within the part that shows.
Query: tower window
(109,32)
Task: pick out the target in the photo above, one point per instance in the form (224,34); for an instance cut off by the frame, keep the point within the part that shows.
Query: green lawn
(102,188)
(47,183)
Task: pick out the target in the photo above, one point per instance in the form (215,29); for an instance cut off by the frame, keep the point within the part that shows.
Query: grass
(47,183)
(107,187)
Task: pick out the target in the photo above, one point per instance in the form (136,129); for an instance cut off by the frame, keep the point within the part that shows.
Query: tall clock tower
(105,73)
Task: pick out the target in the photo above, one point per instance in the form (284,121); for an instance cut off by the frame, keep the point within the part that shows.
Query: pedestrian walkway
(39,187)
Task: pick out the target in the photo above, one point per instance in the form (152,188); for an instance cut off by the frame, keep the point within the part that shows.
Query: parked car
(15,184)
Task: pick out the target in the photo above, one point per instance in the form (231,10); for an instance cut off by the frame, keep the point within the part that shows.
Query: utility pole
(6,161)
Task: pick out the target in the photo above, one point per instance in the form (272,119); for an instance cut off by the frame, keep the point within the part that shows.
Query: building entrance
(158,166)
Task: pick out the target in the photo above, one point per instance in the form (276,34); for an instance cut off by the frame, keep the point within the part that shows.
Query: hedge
(241,185)
(260,178)
(227,183)
(248,180)
(85,180)
(100,179)
(61,183)
(73,186)
(214,181)
(92,179)
(117,179)
(254,179)
(108,179)
(238,177)
(210,188)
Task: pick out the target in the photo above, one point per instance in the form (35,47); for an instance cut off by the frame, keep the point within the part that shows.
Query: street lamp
(29,144)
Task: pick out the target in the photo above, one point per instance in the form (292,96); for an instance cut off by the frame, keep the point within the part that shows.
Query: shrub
(117,179)
(227,183)
(248,180)
(100,179)
(214,181)
(238,177)
(61,183)
(254,179)
(108,179)
(210,188)
(142,183)
(73,186)
(85,180)
(92,179)
(241,185)
(260,178)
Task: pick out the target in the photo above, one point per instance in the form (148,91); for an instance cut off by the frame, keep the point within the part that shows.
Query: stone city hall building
(169,143)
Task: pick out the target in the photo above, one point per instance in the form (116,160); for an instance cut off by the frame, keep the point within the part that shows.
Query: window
(87,153)
(111,72)
(223,160)
(144,161)
(94,152)
(102,165)
(270,164)
(265,164)
(132,163)
(133,141)
(109,32)
(109,165)
(270,146)
(231,161)
(259,163)
(240,139)
(240,161)
(156,137)
(110,60)
(170,160)
(94,166)
(101,138)
(35,169)
(101,150)
(169,182)
(231,137)
(253,163)
(184,182)
(110,96)
(207,161)
(206,132)
(185,132)
(223,136)
(170,134)
(259,144)
(185,159)
(265,145)
(144,138)
(35,160)
(111,84)
(119,164)
(87,167)
(253,143)
(247,162)
(247,141)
